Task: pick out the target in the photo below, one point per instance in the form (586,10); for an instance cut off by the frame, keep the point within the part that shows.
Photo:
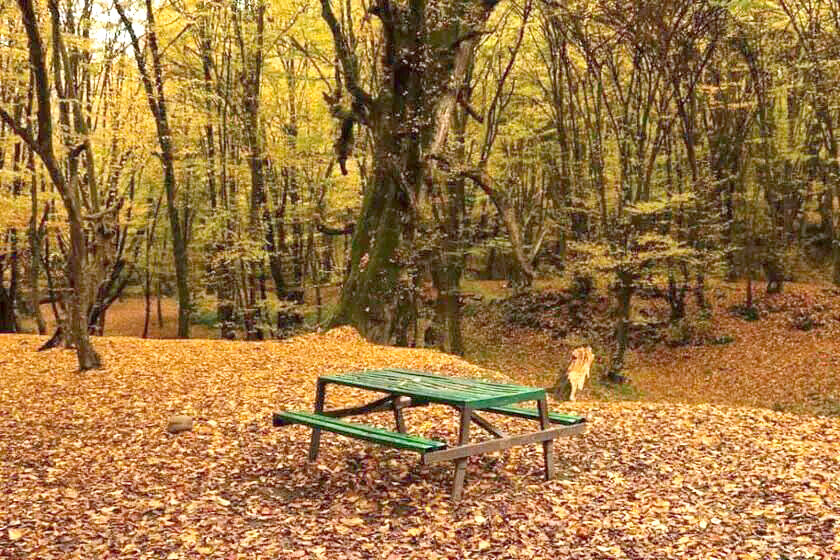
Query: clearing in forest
(87,469)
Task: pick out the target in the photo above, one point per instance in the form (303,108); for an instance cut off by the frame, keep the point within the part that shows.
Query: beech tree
(426,49)
(153,84)
(66,175)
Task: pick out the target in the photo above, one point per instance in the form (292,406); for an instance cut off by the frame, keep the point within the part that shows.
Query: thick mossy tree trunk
(426,49)
(372,298)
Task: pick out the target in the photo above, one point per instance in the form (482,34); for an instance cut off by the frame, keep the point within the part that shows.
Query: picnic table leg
(398,415)
(461,464)
(316,432)
(548,445)
(487,426)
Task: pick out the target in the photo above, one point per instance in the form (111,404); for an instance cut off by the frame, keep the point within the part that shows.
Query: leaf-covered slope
(87,469)
(789,359)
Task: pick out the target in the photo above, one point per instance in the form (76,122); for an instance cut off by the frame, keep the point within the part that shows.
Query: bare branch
(508,215)
(346,56)
(469,109)
(18,129)
(140,57)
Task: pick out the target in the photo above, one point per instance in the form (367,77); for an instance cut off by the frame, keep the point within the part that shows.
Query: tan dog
(578,371)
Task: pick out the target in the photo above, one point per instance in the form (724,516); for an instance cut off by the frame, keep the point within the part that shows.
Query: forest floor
(87,469)
(770,362)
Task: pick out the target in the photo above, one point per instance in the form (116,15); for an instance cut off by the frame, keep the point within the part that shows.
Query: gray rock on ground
(179,423)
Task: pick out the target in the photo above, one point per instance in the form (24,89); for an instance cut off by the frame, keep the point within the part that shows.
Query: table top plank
(438,388)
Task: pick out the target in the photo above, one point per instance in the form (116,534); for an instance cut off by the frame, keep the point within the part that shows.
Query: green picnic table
(406,388)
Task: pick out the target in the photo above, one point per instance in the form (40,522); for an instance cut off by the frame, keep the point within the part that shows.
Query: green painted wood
(359,431)
(566,419)
(438,388)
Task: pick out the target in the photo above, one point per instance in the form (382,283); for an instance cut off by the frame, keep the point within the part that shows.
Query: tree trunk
(622,329)
(66,185)
(676,298)
(749,302)
(700,291)
(275,257)
(88,358)
(835,242)
(147,296)
(8,296)
(371,298)
(154,88)
(424,61)
(775,275)
(446,271)
(8,324)
(34,235)
(452,306)
(179,246)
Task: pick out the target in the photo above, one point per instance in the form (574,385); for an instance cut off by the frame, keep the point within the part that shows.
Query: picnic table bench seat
(556,418)
(359,431)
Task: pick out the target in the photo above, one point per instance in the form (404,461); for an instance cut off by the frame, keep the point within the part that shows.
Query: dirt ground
(126,317)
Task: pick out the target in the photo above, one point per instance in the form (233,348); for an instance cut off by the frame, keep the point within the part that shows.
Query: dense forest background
(371,157)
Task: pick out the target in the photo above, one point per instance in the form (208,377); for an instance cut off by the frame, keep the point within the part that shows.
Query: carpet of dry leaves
(87,469)
(770,363)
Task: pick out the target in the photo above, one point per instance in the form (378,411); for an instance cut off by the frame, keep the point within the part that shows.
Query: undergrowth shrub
(746,312)
(693,329)
(205,317)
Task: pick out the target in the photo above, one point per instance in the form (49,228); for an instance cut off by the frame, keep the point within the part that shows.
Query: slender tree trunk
(835,241)
(147,295)
(154,87)
(8,324)
(159,296)
(251,63)
(622,328)
(34,235)
(14,283)
(8,295)
(179,246)
(147,284)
